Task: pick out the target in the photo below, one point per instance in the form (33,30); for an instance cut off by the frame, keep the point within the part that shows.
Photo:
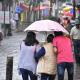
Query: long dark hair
(30,39)
(58,33)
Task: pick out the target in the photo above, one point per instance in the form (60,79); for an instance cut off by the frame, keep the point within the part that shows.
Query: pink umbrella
(40,8)
(46,26)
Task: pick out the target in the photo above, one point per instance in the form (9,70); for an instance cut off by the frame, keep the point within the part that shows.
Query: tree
(51,1)
(74,11)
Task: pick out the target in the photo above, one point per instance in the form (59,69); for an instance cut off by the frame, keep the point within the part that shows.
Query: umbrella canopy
(46,26)
(40,8)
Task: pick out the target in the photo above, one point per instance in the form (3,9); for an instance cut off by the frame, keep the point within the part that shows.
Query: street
(10,48)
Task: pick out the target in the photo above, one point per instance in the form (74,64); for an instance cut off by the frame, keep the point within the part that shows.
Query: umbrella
(68,8)
(46,26)
(40,8)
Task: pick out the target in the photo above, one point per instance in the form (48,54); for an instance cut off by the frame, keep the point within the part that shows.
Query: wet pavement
(10,48)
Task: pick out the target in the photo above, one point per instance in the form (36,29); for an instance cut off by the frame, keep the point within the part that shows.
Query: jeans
(25,73)
(47,76)
(61,69)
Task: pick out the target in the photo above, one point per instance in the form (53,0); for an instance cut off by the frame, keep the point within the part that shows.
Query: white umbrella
(46,26)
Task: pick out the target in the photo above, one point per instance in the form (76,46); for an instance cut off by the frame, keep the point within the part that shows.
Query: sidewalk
(10,47)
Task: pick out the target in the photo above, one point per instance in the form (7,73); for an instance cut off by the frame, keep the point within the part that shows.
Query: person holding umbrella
(27,63)
(47,62)
(65,60)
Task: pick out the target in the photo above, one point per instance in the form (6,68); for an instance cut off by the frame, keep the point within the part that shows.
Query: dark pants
(26,73)
(61,69)
(47,77)
(77,50)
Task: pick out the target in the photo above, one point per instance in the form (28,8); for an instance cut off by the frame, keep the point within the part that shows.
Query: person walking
(66,24)
(47,63)
(27,64)
(75,36)
(65,60)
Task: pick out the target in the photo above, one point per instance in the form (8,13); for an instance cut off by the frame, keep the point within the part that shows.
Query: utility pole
(74,11)
(39,11)
(57,8)
(51,1)
(3,9)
